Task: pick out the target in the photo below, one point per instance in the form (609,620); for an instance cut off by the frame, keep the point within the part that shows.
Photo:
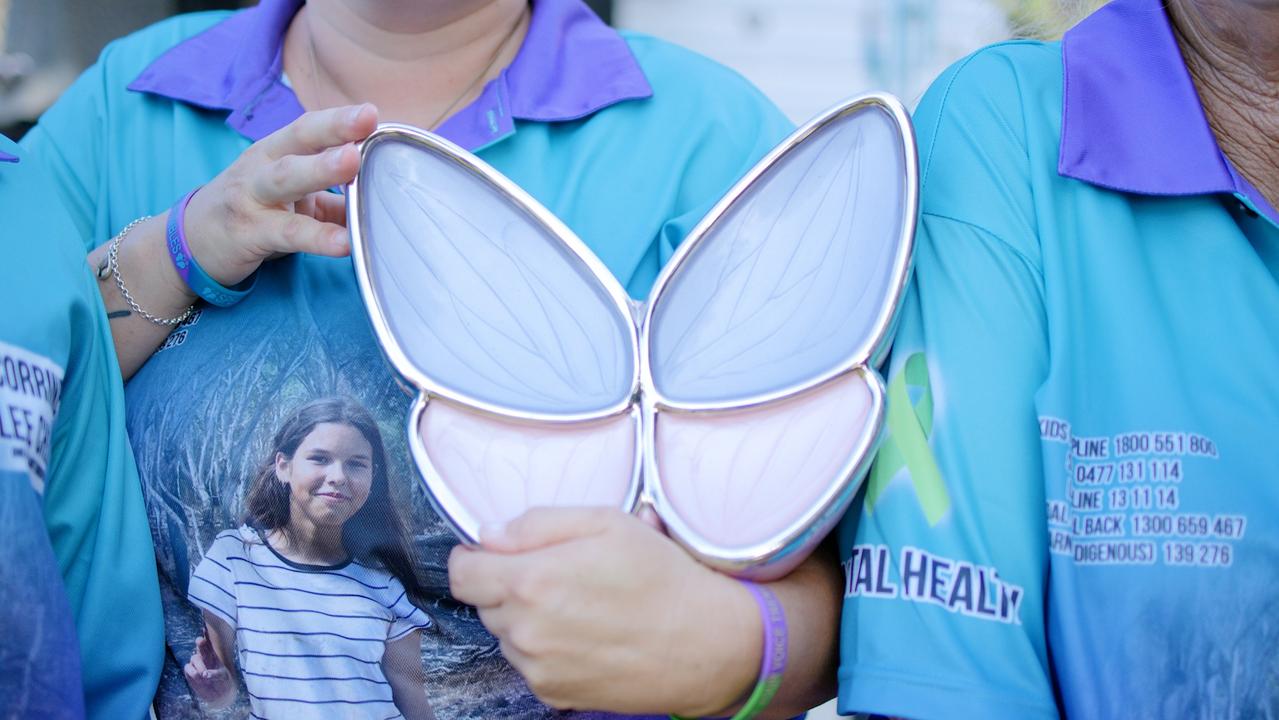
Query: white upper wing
(518,340)
(794,276)
(478,292)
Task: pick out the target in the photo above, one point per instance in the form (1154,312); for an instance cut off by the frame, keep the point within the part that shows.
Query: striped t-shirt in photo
(309,638)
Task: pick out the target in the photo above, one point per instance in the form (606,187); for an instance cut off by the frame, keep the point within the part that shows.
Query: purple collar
(1131,117)
(570,65)
(6,157)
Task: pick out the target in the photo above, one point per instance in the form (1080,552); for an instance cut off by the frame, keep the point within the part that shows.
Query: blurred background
(808,54)
(805,54)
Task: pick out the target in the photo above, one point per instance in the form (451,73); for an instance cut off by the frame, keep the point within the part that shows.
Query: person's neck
(309,544)
(419,61)
(1231,50)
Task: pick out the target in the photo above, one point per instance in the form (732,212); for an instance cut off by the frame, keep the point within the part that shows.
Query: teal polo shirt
(627,139)
(1076,510)
(77,548)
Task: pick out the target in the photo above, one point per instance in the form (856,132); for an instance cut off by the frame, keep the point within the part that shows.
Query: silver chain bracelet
(112,267)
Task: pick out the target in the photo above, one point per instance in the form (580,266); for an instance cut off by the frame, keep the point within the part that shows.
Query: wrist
(142,254)
(208,287)
(729,627)
(213,696)
(773,653)
(172,278)
(225,699)
(197,226)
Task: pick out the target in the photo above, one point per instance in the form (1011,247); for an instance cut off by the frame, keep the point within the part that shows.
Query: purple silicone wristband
(176,238)
(773,617)
(200,282)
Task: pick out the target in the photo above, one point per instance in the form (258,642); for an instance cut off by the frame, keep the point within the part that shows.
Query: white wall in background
(809,54)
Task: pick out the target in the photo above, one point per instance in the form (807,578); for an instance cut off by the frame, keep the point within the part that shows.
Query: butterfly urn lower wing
(751,490)
(517,340)
(762,335)
(484,469)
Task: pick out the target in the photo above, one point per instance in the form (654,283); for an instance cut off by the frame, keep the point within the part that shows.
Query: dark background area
(45,44)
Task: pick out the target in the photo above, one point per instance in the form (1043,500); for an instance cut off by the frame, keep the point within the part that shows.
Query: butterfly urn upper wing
(518,341)
(481,293)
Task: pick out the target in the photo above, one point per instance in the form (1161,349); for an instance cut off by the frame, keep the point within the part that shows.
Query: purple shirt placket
(1131,116)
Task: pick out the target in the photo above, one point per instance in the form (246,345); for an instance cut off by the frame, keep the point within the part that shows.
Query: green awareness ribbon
(909,425)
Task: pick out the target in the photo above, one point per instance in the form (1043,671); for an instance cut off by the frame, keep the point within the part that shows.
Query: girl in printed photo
(314,596)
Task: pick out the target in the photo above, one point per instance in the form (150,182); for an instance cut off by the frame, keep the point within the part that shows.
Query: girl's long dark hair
(375,534)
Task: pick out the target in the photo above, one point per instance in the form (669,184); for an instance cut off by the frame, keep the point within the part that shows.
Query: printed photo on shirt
(312,607)
(203,416)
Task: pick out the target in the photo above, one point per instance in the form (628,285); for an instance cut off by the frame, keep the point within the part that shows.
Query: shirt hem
(416,626)
(881,692)
(205,605)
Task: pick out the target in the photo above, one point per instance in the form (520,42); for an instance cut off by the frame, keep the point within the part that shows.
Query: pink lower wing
(738,479)
(486,470)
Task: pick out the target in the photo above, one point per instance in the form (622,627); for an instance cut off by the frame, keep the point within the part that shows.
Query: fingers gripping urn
(741,402)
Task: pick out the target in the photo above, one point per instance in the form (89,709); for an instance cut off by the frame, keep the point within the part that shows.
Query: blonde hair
(1046,19)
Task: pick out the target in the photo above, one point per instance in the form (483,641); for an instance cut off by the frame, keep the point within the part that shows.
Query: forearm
(402,665)
(218,700)
(410,699)
(147,272)
(210,673)
(812,597)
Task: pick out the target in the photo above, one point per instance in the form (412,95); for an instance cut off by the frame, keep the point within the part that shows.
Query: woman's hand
(208,677)
(599,611)
(273,199)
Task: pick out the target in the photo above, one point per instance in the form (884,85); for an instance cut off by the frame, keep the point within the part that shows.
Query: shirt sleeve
(93,505)
(946,559)
(734,127)
(405,616)
(717,166)
(213,583)
(67,143)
